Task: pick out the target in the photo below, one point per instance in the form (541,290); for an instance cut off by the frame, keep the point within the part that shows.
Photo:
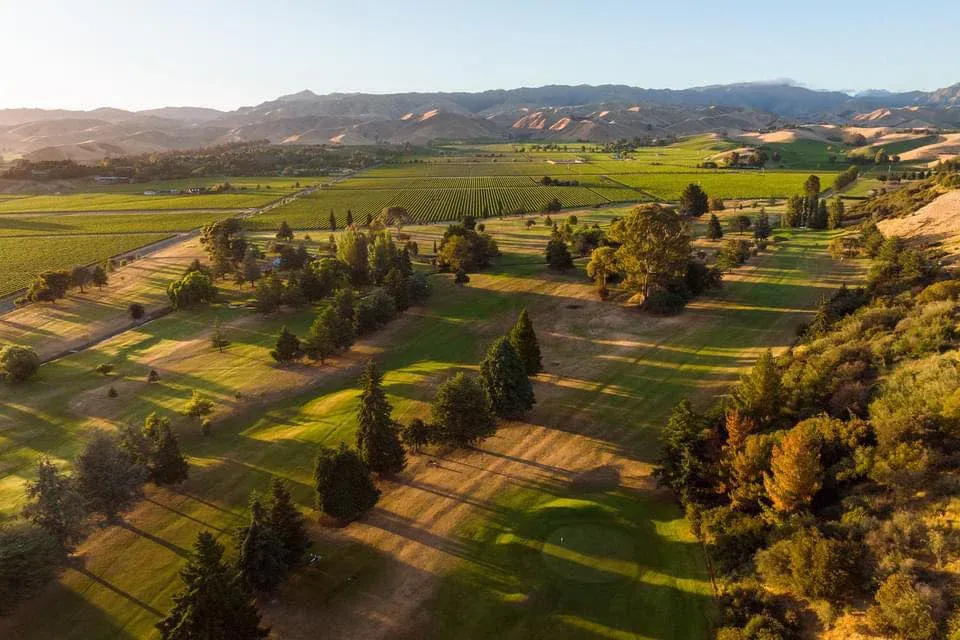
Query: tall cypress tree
(349,218)
(333,221)
(759,391)
(524,340)
(288,523)
(261,558)
(505,380)
(214,602)
(378,438)
(714,230)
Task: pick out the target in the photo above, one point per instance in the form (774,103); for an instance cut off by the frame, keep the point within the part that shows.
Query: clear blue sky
(151,53)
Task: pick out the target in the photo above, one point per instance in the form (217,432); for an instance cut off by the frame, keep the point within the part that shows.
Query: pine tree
(288,523)
(288,347)
(345,316)
(835,217)
(398,288)
(682,462)
(505,380)
(349,218)
(260,557)
(524,340)
(369,220)
(167,464)
(378,438)
(108,479)
(55,505)
(761,226)
(714,230)
(214,604)
(344,487)
(462,411)
(759,392)
(251,267)
(694,201)
(333,221)
(796,473)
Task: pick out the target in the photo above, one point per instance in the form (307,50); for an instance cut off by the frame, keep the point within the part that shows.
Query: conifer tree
(284,232)
(260,557)
(759,391)
(333,221)
(524,340)
(98,276)
(558,256)
(378,437)
(505,380)
(344,487)
(761,226)
(288,347)
(796,472)
(835,217)
(288,523)
(399,289)
(55,505)
(167,464)
(349,218)
(694,201)
(462,411)
(714,230)
(681,464)
(214,603)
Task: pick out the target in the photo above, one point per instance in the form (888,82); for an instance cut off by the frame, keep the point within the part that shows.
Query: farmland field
(552,526)
(23,258)
(132,202)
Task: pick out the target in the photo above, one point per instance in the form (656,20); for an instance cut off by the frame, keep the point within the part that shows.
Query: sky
(141,54)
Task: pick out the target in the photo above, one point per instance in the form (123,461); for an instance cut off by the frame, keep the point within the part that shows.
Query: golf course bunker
(585,545)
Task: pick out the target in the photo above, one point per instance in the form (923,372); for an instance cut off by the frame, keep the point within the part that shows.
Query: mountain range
(556,112)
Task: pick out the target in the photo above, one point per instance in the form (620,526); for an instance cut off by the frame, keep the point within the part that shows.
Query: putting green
(590,553)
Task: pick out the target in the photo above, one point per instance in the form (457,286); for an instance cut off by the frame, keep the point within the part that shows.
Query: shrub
(906,608)
(191,290)
(104,369)
(663,303)
(808,564)
(136,311)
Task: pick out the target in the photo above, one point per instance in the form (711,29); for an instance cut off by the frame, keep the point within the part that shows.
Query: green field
(23,258)
(535,554)
(131,202)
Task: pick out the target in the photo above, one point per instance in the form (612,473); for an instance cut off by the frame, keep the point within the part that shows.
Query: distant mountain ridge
(580,112)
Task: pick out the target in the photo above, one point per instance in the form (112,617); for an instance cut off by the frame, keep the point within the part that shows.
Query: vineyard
(138,202)
(23,258)
(103,223)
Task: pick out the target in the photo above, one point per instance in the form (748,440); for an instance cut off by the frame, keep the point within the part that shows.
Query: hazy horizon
(224,55)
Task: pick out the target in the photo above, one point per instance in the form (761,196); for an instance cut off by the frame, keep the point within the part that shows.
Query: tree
(654,247)
(759,391)
(902,609)
(714,230)
(284,232)
(455,253)
(321,340)
(349,218)
(558,256)
(55,505)
(761,226)
(524,340)
(98,276)
(268,294)
(333,221)
(344,487)
(417,434)
(682,461)
(462,411)
(18,364)
(29,558)
(197,406)
(49,286)
(794,213)
(807,563)
(136,311)
(835,215)
(191,290)
(811,187)
(378,438)
(796,473)
(108,480)
(504,378)
(352,251)
(819,218)
(716,204)
(214,603)
(344,309)
(288,347)
(460,277)
(217,339)
(383,255)
(694,201)
(167,464)
(602,265)
(260,553)
(399,289)
(741,223)
(288,523)
(251,265)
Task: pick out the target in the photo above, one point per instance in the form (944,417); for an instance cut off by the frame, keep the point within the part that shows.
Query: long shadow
(180,551)
(123,594)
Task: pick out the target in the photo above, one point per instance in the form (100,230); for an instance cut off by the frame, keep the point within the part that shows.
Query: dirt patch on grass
(937,223)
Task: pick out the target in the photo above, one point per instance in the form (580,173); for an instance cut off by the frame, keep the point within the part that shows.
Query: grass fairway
(551,528)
